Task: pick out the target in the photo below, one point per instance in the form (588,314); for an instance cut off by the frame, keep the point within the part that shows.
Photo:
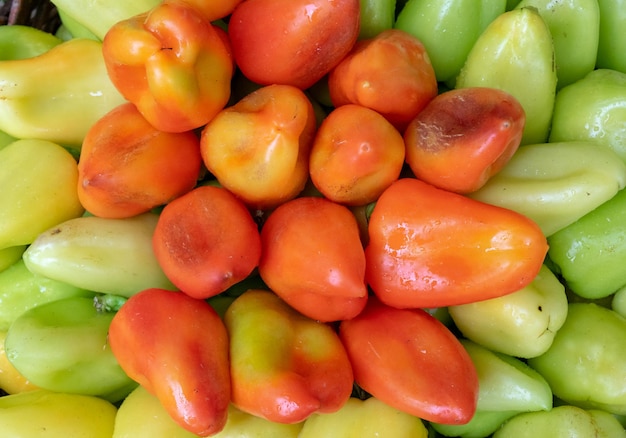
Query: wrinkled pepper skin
(172,63)
(38,180)
(590,253)
(103,255)
(22,42)
(370,418)
(62,346)
(516,46)
(556,183)
(284,366)
(449,249)
(585,365)
(47,414)
(68,82)
(593,109)
(562,422)
(176,347)
(409,360)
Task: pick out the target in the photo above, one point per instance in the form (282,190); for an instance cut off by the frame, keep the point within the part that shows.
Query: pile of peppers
(229,218)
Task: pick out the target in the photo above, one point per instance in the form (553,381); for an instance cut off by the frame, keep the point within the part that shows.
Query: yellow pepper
(57,95)
(11,380)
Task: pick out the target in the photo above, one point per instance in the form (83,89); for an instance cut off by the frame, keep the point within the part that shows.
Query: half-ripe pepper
(58,95)
(556,183)
(172,63)
(21,42)
(62,346)
(364,418)
(284,365)
(176,347)
(112,256)
(38,180)
(11,381)
(41,413)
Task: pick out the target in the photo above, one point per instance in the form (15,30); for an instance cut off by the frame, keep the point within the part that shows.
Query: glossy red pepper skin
(172,63)
(411,361)
(284,365)
(176,347)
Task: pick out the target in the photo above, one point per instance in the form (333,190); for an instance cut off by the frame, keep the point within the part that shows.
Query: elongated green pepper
(557,183)
(612,43)
(575,29)
(376,16)
(590,254)
(62,346)
(47,414)
(516,54)
(21,289)
(22,42)
(57,95)
(98,16)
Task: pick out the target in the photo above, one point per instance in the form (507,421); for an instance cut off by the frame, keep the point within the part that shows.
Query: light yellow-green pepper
(555,184)
(369,418)
(97,16)
(521,324)
(11,255)
(141,415)
(46,414)
(104,255)
(11,380)
(38,180)
(57,95)
(515,53)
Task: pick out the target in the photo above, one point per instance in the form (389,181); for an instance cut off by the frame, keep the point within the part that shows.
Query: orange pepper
(172,63)
(429,247)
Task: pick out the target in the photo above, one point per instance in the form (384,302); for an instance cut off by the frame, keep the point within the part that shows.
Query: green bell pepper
(562,422)
(593,109)
(586,365)
(590,254)
(62,346)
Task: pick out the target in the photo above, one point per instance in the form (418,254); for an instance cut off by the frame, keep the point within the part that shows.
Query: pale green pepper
(586,365)
(113,256)
(38,180)
(593,109)
(141,415)
(370,418)
(47,414)
(515,53)
(555,184)
(22,42)
(575,29)
(20,290)
(11,255)
(521,324)
(58,95)
(618,303)
(97,16)
(590,254)
(507,386)
(612,44)
(62,346)
(562,422)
